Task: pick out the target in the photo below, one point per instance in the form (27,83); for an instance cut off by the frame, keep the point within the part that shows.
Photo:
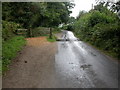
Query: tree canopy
(30,14)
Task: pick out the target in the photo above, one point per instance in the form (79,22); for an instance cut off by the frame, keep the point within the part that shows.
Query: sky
(82,5)
(85,5)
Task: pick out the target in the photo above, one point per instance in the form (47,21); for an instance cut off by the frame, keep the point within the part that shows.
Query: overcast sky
(82,5)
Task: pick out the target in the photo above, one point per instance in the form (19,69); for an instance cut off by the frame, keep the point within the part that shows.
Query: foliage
(100,28)
(8,29)
(81,13)
(35,14)
(107,35)
(56,30)
(10,49)
(70,25)
(113,6)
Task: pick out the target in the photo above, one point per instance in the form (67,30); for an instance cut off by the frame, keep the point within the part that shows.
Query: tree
(27,14)
(81,13)
(112,5)
(56,13)
(37,14)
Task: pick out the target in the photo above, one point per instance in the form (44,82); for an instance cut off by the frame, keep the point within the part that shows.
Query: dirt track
(33,67)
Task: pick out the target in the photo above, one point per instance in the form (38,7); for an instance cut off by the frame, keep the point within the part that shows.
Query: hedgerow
(100,29)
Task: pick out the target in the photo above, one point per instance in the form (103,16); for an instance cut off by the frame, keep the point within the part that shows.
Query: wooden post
(29,32)
(50,33)
(16,32)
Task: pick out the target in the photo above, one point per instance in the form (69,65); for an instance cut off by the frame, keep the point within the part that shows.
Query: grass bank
(10,49)
(106,52)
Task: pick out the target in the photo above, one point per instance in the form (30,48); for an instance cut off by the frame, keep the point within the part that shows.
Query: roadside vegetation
(11,43)
(10,50)
(101,28)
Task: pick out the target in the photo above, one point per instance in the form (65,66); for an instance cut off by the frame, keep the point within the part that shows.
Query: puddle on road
(93,54)
(85,66)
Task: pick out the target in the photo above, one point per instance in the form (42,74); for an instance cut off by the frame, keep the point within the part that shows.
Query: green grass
(51,40)
(10,49)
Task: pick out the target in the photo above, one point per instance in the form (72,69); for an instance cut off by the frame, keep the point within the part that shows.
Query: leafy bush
(100,29)
(98,17)
(10,49)
(8,29)
(105,34)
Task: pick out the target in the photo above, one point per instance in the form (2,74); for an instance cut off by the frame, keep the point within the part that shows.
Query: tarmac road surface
(79,65)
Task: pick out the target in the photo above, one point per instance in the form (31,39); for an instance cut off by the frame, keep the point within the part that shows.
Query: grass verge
(10,49)
(106,52)
(51,40)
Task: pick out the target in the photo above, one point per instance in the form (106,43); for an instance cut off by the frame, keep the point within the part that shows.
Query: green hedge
(8,29)
(101,30)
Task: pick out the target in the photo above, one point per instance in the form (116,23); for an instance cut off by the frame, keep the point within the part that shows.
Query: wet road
(78,65)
